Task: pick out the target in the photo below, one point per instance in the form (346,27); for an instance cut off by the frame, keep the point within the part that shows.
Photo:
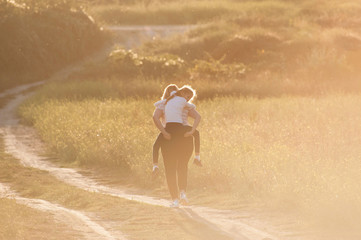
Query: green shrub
(217,70)
(129,63)
(247,48)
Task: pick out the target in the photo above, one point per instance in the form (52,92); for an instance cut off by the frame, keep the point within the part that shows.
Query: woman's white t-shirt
(176,110)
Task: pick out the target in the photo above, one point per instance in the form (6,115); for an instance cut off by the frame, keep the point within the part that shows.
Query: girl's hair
(168,89)
(181,91)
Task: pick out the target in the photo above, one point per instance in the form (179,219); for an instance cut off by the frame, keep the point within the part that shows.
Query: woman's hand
(188,134)
(166,135)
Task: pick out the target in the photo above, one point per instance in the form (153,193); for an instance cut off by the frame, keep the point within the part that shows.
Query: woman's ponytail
(168,90)
(172,94)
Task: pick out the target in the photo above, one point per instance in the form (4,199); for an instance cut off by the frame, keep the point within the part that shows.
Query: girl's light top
(177,111)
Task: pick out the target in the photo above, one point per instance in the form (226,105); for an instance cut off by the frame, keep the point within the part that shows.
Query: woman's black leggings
(158,142)
(176,153)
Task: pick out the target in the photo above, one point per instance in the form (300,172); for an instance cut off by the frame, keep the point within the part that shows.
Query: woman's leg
(182,171)
(186,150)
(170,165)
(170,151)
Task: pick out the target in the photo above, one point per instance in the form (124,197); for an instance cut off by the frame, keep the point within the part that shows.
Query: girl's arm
(156,118)
(197,118)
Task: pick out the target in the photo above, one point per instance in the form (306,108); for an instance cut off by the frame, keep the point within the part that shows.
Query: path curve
(77,220)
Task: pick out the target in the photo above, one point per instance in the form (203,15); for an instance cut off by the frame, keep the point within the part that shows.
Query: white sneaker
(155,172)
(183,198)
(175,204)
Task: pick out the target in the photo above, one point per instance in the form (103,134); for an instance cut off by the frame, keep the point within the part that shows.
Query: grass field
(293,153)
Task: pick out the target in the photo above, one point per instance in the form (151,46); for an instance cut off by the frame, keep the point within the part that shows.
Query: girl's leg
(197,143)
(197,146)
(156,147)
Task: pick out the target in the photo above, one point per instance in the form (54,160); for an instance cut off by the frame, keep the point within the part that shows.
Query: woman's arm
(156,118)
(197,118)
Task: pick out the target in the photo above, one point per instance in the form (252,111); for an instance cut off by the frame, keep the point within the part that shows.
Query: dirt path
(23,143)
(78,221)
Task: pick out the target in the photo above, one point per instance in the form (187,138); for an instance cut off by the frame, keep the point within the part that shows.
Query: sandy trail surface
(77,221)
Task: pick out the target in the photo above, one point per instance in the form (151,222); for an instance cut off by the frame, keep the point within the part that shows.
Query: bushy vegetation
(283,46)
(165,13)
(127,64)
(216,69)
(249,12)
(130,64)
(328,57)
(40,37)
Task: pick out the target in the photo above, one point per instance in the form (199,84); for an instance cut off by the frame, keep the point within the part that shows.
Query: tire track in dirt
(23,143)
(78,221)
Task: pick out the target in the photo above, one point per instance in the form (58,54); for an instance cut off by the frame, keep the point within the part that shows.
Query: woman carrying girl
(175,141)
(187,111)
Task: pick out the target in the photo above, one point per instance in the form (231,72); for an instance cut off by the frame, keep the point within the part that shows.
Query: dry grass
(299,153)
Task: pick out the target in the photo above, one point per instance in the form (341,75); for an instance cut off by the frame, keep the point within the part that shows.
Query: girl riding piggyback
(177,103)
